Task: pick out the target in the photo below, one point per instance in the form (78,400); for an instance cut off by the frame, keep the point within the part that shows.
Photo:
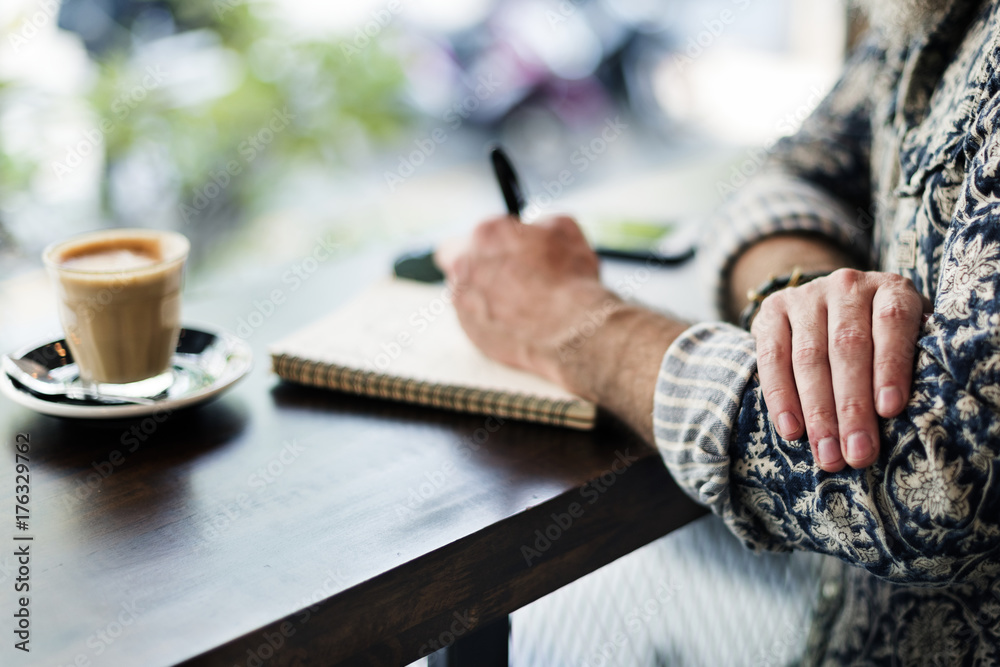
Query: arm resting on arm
(928,510)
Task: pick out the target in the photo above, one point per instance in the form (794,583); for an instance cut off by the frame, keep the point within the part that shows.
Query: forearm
(779,255)
(617,365)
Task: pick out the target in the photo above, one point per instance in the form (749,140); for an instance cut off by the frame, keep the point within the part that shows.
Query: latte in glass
(119,304)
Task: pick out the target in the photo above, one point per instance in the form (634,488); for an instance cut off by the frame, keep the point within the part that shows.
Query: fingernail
(859,446)
(787,424)
(828,450)
(890,401)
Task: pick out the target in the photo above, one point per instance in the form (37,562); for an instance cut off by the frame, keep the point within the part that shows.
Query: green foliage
(332,96)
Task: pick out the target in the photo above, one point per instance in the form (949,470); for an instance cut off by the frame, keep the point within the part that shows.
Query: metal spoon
(38,379)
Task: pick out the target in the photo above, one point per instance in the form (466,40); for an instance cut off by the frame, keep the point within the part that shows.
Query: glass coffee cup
(120,306)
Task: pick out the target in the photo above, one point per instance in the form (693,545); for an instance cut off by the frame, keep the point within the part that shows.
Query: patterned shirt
(900,164)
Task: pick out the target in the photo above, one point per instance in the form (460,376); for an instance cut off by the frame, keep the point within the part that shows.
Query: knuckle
(773,307)
(895,281)
(766,315)
(820,418)
(853,410)
(778,397)
(850,337)
(907,286)
(774,303)
(846,280)
(770,353)
(894,313)
(801,297)
(886,277)
(901,291)
(809,355)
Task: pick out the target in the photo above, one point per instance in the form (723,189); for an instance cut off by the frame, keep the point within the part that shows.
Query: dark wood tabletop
(282,525)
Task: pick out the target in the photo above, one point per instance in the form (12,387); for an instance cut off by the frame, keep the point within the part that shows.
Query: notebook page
(407,329)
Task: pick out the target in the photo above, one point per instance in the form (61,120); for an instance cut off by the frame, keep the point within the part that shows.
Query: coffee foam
(111,254)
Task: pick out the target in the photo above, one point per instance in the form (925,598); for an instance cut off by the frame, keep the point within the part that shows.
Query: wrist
(558,357)
(615,352)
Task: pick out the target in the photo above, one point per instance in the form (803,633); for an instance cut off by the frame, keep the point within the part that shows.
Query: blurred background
(258,126)
(263,129)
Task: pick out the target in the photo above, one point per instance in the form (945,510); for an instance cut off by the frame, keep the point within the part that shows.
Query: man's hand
(530,296)
(835,354)
(520,289)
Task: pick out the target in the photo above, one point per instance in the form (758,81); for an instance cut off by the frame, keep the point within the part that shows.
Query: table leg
(486,647)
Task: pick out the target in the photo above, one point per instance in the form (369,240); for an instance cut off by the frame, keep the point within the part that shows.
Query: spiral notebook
(401,340)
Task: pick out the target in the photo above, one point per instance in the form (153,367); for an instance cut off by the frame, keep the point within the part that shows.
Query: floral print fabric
(900,165)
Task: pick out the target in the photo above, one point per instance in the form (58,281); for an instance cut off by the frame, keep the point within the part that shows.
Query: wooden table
(288,526)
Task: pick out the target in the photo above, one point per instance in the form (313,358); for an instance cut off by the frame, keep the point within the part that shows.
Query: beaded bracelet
(770,286)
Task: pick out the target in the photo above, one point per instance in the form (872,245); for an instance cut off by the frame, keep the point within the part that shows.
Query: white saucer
(206,364)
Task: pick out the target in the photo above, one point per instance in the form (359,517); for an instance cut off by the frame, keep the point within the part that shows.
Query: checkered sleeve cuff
(698,396)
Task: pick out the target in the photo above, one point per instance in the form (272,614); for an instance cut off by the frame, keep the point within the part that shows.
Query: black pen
(513,196)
